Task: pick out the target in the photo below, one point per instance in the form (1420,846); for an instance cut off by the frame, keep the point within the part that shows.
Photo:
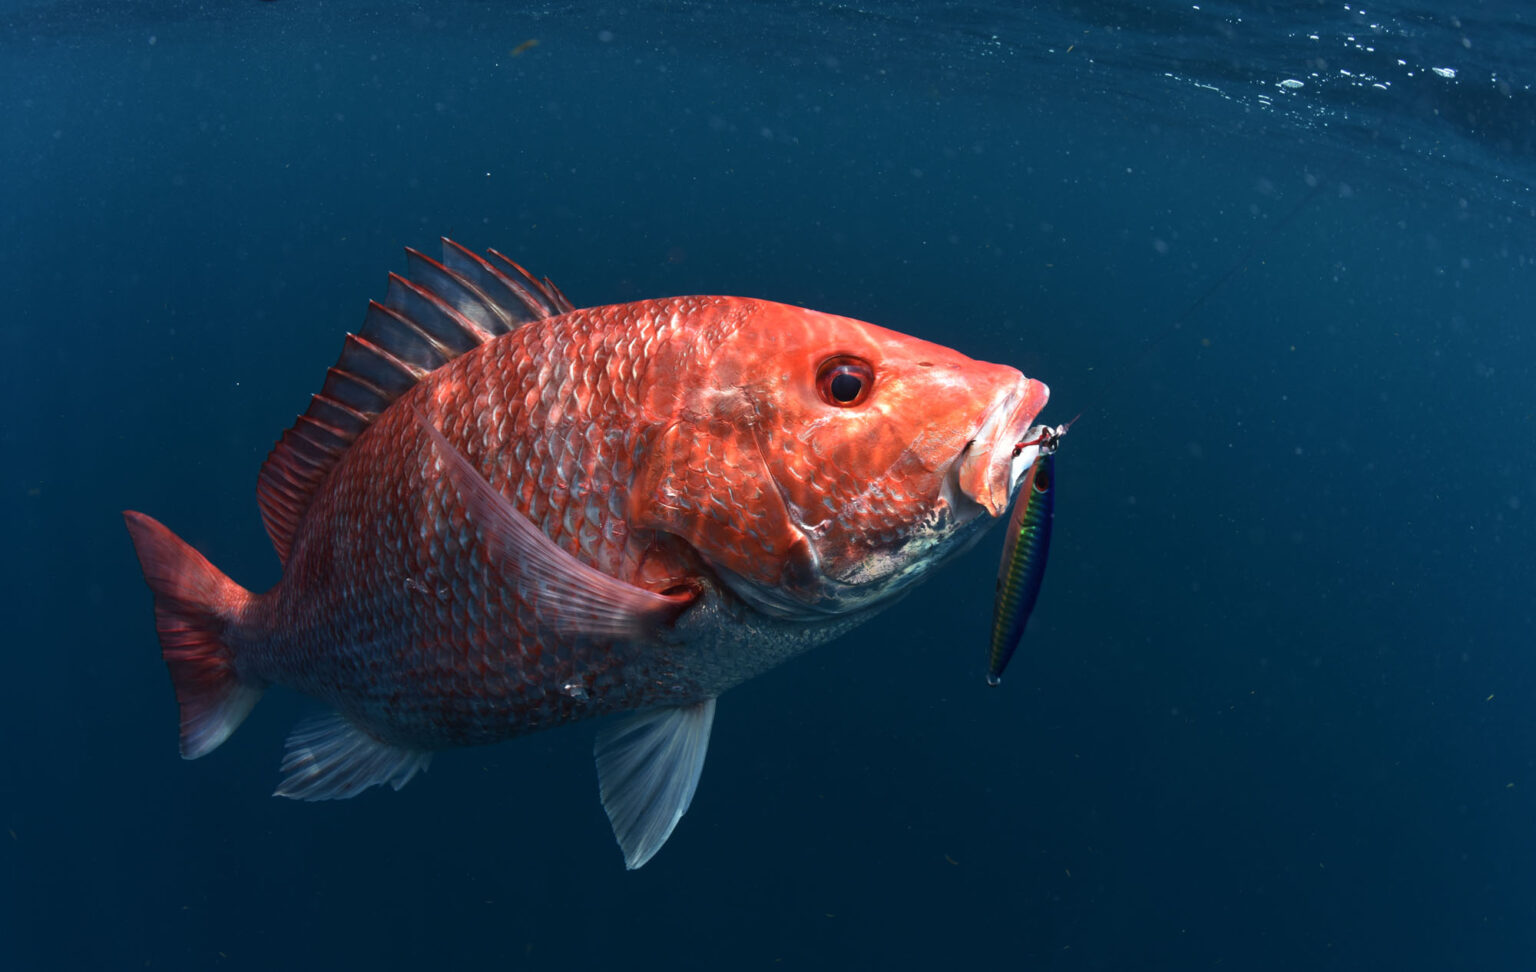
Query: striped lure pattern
(1025,549)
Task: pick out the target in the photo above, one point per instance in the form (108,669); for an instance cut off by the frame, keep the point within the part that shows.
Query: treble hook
(1049,437)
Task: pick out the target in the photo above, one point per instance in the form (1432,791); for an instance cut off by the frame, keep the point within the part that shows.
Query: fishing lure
(1026,547)
(1029,528)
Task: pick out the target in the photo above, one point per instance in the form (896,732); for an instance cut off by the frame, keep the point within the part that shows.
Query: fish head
(821,465)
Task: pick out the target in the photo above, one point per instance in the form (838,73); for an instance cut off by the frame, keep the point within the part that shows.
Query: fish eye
(844,381)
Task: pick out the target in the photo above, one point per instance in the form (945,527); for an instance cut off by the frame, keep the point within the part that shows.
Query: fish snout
(987,472)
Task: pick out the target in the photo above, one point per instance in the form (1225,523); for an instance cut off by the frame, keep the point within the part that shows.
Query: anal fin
(329,758)
(648,767)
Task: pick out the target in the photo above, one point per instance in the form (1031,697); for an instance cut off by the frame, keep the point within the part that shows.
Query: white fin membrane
(329,758)
(648,766)
(204,728)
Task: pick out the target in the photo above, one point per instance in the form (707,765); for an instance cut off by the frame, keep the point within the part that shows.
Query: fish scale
(368,498)
(502,513)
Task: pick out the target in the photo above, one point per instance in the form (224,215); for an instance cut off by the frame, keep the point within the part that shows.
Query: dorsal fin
(432,315)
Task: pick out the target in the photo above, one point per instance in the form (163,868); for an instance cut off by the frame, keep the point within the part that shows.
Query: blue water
(1277,707)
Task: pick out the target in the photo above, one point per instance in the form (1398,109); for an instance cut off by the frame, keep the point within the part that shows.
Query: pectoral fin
(647,769)
(582,600)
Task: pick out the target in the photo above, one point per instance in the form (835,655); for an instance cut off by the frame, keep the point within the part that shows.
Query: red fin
(194,607)
(442,310)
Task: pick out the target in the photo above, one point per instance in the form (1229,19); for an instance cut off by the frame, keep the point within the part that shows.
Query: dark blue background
(1275,710)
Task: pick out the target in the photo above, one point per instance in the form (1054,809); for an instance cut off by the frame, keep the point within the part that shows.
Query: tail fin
(194,606)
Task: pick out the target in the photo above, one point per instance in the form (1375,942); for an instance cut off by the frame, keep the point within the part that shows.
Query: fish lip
(987,471)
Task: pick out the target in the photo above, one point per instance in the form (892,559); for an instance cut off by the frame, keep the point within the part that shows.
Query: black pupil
(846,386)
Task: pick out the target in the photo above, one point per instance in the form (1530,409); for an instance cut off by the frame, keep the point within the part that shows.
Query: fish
(1026,546)
(503,513)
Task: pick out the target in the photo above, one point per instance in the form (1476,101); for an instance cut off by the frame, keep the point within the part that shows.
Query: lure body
(1025,550)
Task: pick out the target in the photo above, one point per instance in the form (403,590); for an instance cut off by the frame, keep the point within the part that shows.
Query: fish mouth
(989,469)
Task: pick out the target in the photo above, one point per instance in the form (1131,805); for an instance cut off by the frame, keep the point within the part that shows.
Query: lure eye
(844,382)
(1042,481)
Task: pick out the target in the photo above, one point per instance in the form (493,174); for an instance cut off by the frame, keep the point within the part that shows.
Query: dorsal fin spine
(561,301)
(368,362)
(337,414)
(516,303)
(384,326)
(433,314)
(457,293)
(312,426)
(354,391)
(450,331)
(522,283)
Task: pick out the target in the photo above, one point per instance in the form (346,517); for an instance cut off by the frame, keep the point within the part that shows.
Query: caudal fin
(194,607)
